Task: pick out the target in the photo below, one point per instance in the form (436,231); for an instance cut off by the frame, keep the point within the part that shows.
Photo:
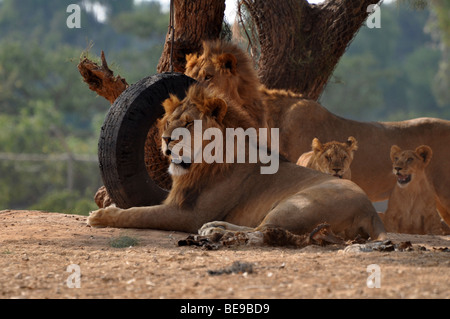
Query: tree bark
(195,21)
(302,43)
(101,79)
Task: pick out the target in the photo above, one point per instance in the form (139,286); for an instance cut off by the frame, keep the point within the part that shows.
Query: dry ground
(36,249)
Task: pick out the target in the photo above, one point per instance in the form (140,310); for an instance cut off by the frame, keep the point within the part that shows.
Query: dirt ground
(47,255)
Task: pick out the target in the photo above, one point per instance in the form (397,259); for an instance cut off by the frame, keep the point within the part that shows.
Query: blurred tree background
(47,111)
(399,71)
(50,120)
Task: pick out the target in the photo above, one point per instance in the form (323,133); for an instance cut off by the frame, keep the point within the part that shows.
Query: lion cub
(412,204)
(333,158)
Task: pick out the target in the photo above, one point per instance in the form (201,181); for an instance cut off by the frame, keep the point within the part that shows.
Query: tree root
(102,198)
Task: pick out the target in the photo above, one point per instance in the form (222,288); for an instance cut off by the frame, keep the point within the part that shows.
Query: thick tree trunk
(195,21)
(301,43)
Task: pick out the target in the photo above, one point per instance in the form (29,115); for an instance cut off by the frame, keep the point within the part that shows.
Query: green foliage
(145,21)
(354,80)
(415,4)
(123,242)
(441,9)
(439,28)
(67,202)
(45,107)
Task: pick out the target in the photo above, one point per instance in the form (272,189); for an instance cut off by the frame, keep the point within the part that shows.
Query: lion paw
(212,228)
(220,227)
(95,217)
(102,217)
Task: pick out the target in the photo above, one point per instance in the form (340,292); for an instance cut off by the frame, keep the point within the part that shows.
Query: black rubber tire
(123,135)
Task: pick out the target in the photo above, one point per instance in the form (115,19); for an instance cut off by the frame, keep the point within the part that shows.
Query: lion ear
(171,103)
(352,144)
(394,150)
(216,108)
(316,145)
(227,61)
(425,152)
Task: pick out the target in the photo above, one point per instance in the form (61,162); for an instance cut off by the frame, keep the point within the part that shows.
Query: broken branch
(101,79)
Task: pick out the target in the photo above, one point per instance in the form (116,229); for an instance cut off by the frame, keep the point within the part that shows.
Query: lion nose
(398,169)
(167,139)
(337,170)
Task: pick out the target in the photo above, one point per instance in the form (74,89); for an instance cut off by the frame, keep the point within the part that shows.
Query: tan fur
(237,196)
(202,106)
(300,120)
(412,206)
(332,158)
(225,68)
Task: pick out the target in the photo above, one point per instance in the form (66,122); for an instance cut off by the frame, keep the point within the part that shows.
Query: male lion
(333,158)
(412,205)
(300,120)
(294,198)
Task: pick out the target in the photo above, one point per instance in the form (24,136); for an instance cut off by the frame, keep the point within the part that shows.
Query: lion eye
(188,124)
(208,77)
(409,160)
(328,158)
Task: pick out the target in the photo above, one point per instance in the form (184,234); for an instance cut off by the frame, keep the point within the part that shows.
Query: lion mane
(227,68)
(201,105)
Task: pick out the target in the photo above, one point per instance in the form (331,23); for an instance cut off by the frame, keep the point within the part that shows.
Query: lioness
(294,198)
(412,205)
(333,158)
(300,120)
